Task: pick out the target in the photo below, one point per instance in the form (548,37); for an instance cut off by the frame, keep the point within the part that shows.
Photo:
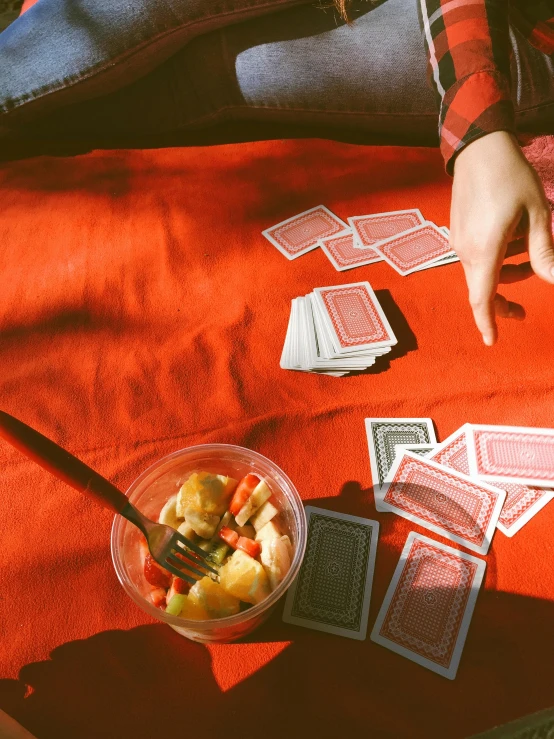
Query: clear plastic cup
(151,490)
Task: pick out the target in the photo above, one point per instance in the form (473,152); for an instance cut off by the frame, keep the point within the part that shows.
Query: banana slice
(168,514)
(275,560)
(204,524)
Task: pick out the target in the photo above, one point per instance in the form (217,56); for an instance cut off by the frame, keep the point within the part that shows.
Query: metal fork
(168,547)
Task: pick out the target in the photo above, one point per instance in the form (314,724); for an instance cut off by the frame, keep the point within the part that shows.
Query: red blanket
(141,311)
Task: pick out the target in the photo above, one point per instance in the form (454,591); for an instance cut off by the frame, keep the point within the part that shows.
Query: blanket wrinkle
(141,311)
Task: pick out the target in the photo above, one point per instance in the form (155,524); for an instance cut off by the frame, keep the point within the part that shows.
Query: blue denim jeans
(151,66)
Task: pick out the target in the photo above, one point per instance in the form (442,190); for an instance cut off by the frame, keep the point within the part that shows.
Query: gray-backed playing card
(332,590)
(384,434)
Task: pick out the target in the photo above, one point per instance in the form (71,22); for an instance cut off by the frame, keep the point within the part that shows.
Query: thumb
(541,246)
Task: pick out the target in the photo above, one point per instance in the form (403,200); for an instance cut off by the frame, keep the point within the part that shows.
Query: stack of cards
(402,238)
(336,330)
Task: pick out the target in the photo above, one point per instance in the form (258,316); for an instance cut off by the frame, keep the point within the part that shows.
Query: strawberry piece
(157,596)
(229,536)
(244,490)
(154,574)
(178,585)
(250,546)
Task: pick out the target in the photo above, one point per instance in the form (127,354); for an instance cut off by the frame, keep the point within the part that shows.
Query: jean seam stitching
(105,64)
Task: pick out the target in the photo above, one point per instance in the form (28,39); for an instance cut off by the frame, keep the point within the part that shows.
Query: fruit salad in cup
(239,524)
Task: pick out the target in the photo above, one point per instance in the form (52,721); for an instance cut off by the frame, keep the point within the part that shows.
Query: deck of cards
(336,330)
(403,238)
(481,478)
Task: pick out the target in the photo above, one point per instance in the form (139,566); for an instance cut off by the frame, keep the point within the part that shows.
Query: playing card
(411,250)
(512,454)
(539,725)
(300,234)
(522,502)
(373,228)
(442,500)
(343,255)
(383,436)
(422,450)
(429,604)
(354,317)
(333,588)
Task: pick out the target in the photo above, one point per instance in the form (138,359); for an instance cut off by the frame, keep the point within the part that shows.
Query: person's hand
(497,197)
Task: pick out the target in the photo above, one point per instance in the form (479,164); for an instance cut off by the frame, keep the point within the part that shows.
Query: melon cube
(269,531)
(245,578)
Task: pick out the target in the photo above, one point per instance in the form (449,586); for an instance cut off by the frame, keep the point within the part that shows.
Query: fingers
(482,279)
(515,273)
(541,247)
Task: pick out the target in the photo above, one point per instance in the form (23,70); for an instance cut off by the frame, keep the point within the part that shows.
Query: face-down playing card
(343,254)
(301,233)
(354,317)
(442,500)
(376,227)
(412,250)
(429,603)
(385,434)
(522,501)
(332,590)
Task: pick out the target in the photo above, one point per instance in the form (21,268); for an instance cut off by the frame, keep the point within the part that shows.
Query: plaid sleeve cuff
(473,107)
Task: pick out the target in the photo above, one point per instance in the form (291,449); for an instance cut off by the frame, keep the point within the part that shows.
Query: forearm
(468,48)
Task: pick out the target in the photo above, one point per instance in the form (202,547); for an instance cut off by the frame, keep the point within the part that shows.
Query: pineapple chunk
(168,514)
(269,531)
(214,599)
(192,608)
(259,496)
(263,515)
(275,560)
(204,524)
(206,492)
(245,578)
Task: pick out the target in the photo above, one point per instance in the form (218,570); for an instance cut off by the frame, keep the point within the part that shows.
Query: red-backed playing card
(428,607)
(512,454)
(453,505)
(373,228)
(522,502)
(354,317)
(301,233)
(413,249)
(342,254)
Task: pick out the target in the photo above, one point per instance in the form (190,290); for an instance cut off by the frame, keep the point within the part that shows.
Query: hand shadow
(149,681)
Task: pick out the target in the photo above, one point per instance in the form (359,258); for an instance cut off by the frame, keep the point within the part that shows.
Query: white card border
(410,271)
(283,251)
(472,457)
(291,592)
(352,221)
(376,637)
(392,341)
(488,534)
(371,449)
(336,265)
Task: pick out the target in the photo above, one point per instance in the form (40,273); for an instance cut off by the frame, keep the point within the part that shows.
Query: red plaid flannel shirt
(469,51)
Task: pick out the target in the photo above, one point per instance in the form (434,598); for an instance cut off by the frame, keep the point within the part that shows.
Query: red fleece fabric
(141,312)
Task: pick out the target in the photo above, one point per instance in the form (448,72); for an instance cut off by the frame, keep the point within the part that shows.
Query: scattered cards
(522,502)
(403,238)
(300,234)
(336,330)
(428,607)
(447,502)
(385,434)
(333,588)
